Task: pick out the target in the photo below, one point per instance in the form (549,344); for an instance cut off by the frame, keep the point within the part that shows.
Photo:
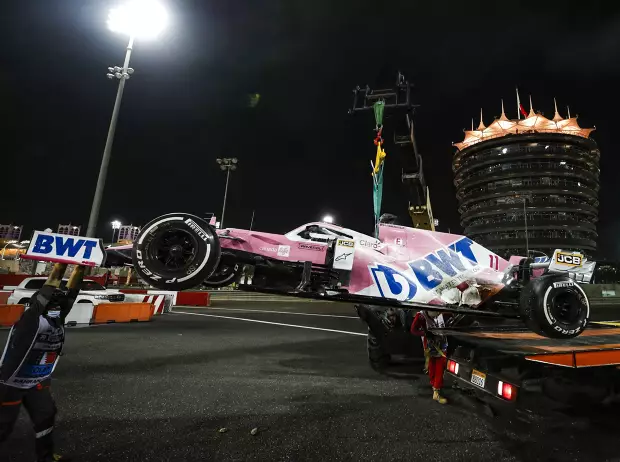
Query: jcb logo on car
(568,259)
(344,243)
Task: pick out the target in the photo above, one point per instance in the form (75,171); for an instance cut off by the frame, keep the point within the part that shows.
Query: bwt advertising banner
(60,248)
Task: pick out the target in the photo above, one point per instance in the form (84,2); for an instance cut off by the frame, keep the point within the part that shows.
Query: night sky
(300,154)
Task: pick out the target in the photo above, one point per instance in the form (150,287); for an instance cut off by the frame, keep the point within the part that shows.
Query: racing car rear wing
(563,261)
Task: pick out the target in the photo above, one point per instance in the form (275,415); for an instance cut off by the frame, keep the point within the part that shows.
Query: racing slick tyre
(555,306)
(176,251)
(224,275)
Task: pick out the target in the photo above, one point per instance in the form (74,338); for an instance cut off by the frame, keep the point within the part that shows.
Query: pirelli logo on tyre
(557,285)
(345,243)
(197,229)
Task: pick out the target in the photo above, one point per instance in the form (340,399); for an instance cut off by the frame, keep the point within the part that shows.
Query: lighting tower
(228,164)
(138,18)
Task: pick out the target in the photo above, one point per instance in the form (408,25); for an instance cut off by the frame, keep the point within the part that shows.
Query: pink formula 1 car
(403,268)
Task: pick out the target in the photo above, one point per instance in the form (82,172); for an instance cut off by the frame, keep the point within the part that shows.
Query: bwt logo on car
(63,246)
(430,271)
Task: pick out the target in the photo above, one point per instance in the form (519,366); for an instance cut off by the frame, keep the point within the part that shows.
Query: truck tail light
(506,390)
(453,367)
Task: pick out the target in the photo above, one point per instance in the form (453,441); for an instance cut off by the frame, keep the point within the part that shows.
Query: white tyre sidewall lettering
(552,321)
(153,227)
(150,228)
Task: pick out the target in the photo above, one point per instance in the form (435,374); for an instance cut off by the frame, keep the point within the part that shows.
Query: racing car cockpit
(318,233)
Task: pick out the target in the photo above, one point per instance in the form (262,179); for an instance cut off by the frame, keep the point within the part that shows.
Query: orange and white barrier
(103,313)
(106,313)
(162,300)
(159,302)
(188,298)
(171,297)
(10,314)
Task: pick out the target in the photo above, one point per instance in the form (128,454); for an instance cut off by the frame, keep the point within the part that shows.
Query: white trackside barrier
(159,301)
(170,296)
(134,298)
(81,313)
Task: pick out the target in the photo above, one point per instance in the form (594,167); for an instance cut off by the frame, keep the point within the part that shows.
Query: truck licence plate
(478,378)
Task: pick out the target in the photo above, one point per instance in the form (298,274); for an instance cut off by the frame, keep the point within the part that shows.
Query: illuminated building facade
(69,229)
(11,232)
(530,183)
(128,233)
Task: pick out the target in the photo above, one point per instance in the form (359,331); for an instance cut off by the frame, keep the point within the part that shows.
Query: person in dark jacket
(31,355)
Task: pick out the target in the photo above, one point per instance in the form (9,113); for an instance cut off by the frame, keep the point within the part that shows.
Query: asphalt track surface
(161,391)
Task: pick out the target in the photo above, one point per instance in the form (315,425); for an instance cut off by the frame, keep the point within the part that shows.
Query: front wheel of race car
(555,306)
(176,251)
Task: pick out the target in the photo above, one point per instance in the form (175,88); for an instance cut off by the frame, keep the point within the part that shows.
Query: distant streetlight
(228,164)
(138,18)
(115,225)
(328,219)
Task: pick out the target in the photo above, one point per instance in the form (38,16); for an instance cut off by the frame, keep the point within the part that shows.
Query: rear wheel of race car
(225,274)
(555,306)
(176,251)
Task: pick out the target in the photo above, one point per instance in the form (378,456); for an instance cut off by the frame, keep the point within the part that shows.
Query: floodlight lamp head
(139,18)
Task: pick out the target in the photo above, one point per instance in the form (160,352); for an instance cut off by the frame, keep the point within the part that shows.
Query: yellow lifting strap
(379,159)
